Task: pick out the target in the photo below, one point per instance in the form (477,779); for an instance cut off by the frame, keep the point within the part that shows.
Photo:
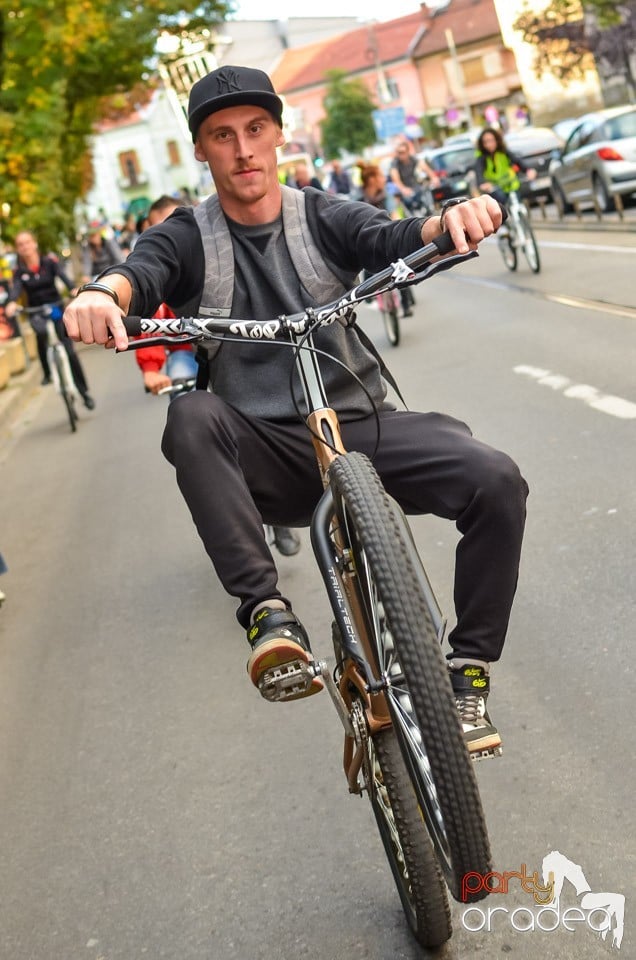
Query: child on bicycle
(258,249)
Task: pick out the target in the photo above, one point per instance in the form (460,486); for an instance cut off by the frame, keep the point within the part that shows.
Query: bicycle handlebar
(412,269)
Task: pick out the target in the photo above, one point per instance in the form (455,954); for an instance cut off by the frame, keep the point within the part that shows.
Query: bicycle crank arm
(341,707)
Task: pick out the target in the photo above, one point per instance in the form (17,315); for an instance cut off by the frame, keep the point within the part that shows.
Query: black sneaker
(45,380)
(471,686)
(281,655)
(286,540)
(89,403)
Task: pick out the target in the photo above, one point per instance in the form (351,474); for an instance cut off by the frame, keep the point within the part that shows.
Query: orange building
(449,63)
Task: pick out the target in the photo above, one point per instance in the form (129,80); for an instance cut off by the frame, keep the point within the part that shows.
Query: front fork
(358,696)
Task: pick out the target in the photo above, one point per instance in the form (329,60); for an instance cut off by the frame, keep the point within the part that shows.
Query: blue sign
(389,122)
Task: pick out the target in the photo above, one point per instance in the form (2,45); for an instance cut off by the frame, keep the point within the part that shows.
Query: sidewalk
(546,218)
(20,389)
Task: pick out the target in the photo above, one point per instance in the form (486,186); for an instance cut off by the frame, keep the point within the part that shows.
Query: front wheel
(529,243)
(508,251)
(66,392)
(380,556)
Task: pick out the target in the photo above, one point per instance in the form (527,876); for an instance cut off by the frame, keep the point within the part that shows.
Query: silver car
(598,160)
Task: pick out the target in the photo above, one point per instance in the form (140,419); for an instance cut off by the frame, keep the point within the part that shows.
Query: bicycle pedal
(488,754)
(289,681)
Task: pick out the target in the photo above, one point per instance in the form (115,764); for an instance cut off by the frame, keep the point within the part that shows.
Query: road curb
(20,389)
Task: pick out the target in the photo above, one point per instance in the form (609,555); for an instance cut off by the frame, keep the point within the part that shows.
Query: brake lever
(440,265)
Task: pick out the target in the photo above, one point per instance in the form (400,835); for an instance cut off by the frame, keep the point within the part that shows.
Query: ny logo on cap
(227,81)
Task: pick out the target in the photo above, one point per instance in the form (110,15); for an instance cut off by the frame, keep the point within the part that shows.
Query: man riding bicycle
(257,250)
(406,173)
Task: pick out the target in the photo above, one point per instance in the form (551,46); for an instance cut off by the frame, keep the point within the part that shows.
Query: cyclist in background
(496,167)
(99,252)
(374,191)
(258,249)
(406,173)
(35,278)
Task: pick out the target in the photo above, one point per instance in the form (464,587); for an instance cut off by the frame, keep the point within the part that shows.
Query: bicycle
(520,236)
(390,685)
(42,319)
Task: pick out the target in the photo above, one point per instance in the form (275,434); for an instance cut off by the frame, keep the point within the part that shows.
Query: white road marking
(615,310)
(606,403)
(597,247)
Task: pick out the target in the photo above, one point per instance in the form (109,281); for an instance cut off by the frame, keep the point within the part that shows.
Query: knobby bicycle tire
(67,395)
(408,848)
(397,614)
(530,248)
(412,859)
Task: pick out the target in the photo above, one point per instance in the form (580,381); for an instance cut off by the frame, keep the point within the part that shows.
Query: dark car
(453,165)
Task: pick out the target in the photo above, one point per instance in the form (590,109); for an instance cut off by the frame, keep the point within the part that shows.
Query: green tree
(572,36)
(348,124)
(58,65)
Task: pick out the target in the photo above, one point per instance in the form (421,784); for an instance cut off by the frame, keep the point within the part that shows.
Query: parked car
(536,146)
(598,160)
(453,165)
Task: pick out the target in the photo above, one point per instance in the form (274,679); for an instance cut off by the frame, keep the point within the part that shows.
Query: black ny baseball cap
(229,87)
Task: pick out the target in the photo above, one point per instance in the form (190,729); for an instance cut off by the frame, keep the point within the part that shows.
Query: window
(386,89)
(174,158)
(129,164)
(473,70)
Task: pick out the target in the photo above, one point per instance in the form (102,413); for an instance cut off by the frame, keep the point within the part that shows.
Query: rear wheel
(560,202)
(404,836)
(604,201)
(66,392)
(382,556)
(406,842)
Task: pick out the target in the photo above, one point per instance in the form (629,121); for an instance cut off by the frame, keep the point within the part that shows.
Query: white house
(139,158)
(149,153)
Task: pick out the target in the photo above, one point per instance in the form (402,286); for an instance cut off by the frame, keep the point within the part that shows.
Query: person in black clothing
(301,177)
(99,252)
(35,277)
(256,250)
(339,181)
(374,192)
(406,172)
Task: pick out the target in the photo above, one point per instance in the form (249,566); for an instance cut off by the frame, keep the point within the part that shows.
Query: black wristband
(449,203)
(100,288)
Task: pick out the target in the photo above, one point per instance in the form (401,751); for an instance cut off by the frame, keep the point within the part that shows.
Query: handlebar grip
(133,326)
(444,243)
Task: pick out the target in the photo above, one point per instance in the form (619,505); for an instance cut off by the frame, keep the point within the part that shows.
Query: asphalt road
(152,805)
